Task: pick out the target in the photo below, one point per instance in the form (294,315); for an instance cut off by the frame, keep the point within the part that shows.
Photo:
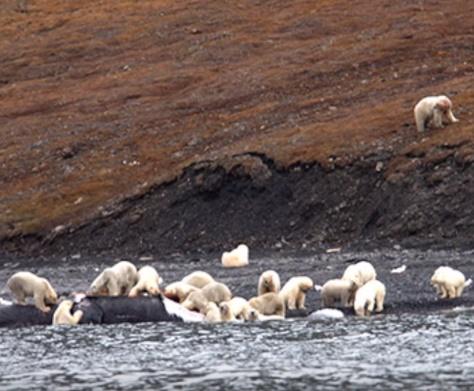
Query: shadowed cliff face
(155,125)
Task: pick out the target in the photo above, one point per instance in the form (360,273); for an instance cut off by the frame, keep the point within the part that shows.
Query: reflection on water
(385,352)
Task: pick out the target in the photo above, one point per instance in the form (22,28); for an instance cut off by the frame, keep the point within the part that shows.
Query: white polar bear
(338,290)
(62,314)
(148,281)
(449,283)
(433,109)
(294,291)
(238,257)
(268,304)
(179,291)
(360,272)
(199,279)
(371,295)
(238,305)
(215,292)
(116,280)
(269,281)
(212,313)
(26,284)
(227,314)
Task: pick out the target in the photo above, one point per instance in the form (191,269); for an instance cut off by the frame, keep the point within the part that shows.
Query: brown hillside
(101,100)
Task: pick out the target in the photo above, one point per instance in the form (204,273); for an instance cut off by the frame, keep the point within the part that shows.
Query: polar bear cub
(26,284)
(116,280)
(449,283)
(268,304)
(238,257)
(371,295)
(269,281)
(338,290)
(199,279)
(360,272)
(433,109)
(148,281)
(63,315)
(294,291)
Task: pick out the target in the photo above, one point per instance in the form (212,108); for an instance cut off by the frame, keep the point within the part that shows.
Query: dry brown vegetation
(101,100)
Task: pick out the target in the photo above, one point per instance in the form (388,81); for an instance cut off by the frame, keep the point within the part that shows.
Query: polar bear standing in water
(371,295)
(26,284)
(63,315)
(433,109)
(294,291)
(360,273)
(148,281)
(238,257)
(116,280)
(449,283)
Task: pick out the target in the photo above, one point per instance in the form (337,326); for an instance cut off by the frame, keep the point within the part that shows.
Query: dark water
(388,352)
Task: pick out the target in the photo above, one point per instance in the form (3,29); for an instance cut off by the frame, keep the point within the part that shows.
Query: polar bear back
(199,279)
(361,273)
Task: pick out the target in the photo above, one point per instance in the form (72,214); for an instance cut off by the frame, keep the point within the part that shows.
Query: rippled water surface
(386,352)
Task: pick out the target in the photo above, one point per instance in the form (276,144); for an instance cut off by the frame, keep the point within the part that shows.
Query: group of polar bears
(357,287)
(199,291)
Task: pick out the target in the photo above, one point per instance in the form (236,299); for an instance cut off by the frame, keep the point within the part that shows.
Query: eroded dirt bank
(155,126)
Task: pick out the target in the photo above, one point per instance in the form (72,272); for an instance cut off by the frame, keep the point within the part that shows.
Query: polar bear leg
(20,296)
(451,292)
(39,302)
(291,302)
(443,291)
(370,305)
(437,118)
(459,291)
(379,299)
(300,299)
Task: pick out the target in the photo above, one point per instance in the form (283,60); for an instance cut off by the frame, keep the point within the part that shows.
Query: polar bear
(360,273)
(227,314)
(269,304)
(148,281)
(62,314)
(199,279)
(26,284)
(179,291)
(196,301)
(237,305)
(449,283)
(433,109)
(338,290)
(212,313)
(370,295)
(238,257)
(269,281)
(294,292)
(116,280)
(217,292)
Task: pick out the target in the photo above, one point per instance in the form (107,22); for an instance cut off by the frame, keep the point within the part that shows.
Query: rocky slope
(161,126)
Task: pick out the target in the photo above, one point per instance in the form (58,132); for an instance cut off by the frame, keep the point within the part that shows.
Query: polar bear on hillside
(148,281)
(26,284)
(449,283)
(62,314)
(199,279)
(360,272)
(433,109)
(269,281)
(371,295)
(238,257)
(338,290)
(116,280)
(294,291)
